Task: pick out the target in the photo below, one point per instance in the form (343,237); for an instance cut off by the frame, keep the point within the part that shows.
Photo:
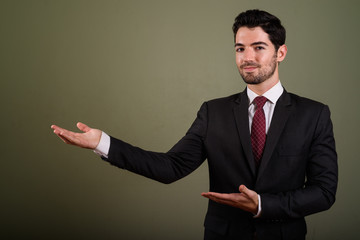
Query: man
(271,154)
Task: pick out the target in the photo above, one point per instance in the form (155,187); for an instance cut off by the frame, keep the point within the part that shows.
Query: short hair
(268,22)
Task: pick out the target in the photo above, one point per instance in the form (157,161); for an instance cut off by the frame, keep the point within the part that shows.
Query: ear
(281,53)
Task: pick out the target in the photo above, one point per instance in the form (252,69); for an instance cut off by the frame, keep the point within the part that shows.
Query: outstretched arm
(181,160)
(89,138)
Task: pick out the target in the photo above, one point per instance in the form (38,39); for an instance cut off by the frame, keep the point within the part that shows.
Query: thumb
(244,189)
(83,127)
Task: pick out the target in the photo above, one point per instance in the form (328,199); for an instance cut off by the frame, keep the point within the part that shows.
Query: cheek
(261,57)
(263,60)
(238,60)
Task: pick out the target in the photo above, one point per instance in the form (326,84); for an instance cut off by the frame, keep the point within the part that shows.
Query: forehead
(247,36)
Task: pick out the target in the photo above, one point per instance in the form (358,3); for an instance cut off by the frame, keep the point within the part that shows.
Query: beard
(264,72)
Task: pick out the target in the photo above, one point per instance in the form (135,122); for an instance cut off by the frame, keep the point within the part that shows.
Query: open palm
(89,138)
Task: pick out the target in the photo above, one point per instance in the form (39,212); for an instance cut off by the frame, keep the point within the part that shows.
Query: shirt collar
(273,94)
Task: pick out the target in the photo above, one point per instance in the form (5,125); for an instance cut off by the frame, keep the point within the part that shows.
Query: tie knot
(260,101)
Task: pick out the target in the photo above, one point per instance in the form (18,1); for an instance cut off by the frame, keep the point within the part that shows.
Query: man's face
(256,57)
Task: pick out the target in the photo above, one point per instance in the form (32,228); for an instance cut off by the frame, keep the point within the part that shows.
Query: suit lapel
(242,122)
(280,116)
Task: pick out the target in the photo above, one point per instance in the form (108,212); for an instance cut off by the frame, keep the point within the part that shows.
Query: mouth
(250,68)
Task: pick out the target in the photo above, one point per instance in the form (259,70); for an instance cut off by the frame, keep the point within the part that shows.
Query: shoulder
(224,101)
(305,102)
(308,107)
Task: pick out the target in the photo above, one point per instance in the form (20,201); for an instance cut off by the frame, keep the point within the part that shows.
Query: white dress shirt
(103,147)
(272,95)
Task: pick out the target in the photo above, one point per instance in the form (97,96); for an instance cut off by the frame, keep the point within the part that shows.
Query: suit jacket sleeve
(318,194)
(181,160)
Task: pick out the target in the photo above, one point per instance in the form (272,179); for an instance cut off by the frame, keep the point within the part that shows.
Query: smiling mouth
(250,68)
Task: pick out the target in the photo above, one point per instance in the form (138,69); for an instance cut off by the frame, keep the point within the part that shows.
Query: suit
(297,175)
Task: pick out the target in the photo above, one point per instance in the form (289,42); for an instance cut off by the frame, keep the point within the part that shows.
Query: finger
(230,202)
(67,136)
(222,196)
(222,201)
(207,195)
(83,127)
(64,139)
(58,129)
(54,127)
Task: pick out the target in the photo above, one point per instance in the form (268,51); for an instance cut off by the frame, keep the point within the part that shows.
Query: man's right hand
(90,137)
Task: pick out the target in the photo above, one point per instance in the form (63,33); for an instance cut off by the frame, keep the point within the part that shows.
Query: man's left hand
(246,200)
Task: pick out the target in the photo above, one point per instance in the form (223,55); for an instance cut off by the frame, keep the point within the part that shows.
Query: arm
(319,191)
(181,160)
(317,195)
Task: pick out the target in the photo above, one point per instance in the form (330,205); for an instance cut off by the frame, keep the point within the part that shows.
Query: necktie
(258,129)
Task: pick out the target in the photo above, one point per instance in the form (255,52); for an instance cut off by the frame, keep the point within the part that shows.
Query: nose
(248,55)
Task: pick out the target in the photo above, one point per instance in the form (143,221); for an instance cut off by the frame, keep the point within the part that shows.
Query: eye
(259,48)
(240,49)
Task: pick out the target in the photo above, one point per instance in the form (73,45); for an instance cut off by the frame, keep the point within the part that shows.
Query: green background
(139,70)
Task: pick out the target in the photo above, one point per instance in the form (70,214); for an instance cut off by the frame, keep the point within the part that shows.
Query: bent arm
(319,191)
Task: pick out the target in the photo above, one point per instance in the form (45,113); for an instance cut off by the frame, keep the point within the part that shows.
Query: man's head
(269,24)
(259,46)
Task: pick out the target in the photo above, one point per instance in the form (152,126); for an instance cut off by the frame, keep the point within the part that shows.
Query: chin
(252,81)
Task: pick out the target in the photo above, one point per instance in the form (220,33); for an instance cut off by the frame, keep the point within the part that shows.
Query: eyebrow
(252,44)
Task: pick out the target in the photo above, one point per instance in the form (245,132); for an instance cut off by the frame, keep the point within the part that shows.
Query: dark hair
(258,18)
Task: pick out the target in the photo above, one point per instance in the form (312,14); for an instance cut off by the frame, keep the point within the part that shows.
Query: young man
(271,154)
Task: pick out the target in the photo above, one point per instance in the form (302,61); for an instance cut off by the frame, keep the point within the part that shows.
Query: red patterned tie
(258,129)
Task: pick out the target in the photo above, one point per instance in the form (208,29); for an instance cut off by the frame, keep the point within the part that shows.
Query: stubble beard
(262,76)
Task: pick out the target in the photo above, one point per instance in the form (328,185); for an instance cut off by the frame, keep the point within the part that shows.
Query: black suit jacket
(297,175)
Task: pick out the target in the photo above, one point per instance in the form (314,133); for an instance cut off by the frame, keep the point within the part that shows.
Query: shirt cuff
(259,208)
(102,149)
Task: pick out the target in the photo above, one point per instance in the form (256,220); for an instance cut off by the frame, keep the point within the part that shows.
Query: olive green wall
(140,70)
